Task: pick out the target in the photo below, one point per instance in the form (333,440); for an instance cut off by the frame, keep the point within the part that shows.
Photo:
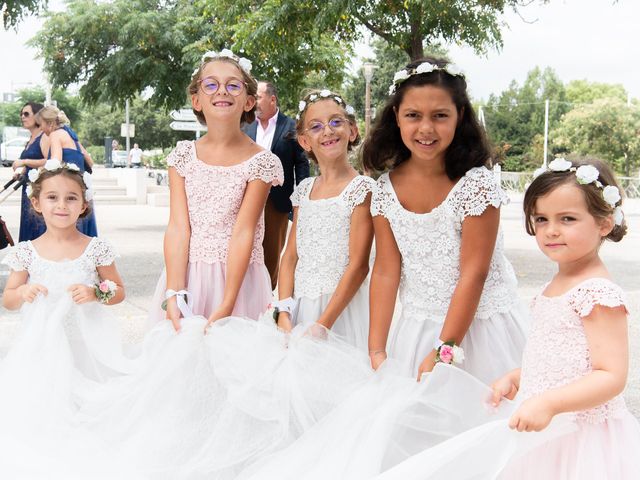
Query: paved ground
(137,232)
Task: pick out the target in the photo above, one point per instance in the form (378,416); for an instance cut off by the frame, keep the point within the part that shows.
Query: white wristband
(182,305)
(285,305)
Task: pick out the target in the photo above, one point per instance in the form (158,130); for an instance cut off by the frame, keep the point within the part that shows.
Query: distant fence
(518,181)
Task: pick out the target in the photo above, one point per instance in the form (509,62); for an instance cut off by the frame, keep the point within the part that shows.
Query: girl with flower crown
(67,341)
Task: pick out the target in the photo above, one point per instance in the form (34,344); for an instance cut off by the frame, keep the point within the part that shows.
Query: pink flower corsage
(449,352)
(105,290)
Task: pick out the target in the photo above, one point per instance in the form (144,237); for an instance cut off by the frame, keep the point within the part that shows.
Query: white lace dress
(61,351)
(322,241)
(430,247)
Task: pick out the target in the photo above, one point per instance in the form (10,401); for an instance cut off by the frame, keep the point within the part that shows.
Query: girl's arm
(286,277)
(35,163)
(81,293)
(176,243)
(55,147)
(87,156)
(606,331)
(479,235)
(17,290)
(385,279)
(360,238)
(241,244)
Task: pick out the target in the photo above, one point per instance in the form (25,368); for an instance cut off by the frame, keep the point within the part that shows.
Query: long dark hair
(384,148)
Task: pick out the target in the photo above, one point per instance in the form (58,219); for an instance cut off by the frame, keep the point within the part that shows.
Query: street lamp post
(367,69)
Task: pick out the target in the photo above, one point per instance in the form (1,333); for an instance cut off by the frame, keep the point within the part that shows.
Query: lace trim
(19,258)
(181,156)
(356,193)
(479,190)
(101,252)
(267,167)
(301,191)
(595,291)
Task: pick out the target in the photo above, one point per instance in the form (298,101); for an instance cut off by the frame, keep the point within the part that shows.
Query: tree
(119,49)
(583,91)
(10,112)
(607,128)
(516,116)
(15,10)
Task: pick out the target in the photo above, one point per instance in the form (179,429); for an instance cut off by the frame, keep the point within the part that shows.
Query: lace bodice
(322,235)
(214,195)
(57,276)
(557,352)
(430,245)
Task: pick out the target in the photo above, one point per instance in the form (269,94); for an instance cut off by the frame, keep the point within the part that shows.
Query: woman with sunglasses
(31,225)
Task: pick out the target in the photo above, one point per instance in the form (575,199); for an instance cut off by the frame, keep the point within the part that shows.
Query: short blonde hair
(52,115)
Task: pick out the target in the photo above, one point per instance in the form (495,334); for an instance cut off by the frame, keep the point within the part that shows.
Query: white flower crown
(244,63)
(55,164)
(424,67)
(322,95)
(586,174)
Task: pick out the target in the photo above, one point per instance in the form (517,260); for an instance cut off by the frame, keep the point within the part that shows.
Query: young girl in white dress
(576,358)
(326,262)
(62,282)
(436,217)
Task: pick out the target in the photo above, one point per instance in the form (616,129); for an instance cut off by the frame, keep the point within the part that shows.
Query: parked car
(11,149)
(119,158)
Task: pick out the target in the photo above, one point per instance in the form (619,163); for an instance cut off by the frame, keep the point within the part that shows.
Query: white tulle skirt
(353,323)
(492,346)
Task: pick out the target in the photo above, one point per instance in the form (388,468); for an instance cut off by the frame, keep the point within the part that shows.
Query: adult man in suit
(274,131)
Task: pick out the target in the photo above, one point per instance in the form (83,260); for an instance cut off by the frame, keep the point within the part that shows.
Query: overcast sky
(597,40)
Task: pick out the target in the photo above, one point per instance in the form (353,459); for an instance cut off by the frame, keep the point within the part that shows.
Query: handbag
(5,236)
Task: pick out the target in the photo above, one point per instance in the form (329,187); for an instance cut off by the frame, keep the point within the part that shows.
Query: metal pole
(126,121)
(367,107)
(546,131)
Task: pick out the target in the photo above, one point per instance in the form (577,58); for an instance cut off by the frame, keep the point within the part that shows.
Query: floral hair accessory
(425,67)
(449,352)
(105,290)
(586,174)
(244,63)
(55,164)
(323,95)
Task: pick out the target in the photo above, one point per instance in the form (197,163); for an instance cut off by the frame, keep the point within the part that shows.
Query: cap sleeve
(381,197)
(19,258)
(478,191)
(181,156)
(102,252)
(596,291)
(267,167)
(358,190)
(301,191)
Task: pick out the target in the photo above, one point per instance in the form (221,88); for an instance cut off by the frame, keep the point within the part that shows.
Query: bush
(97,153)
(158,161)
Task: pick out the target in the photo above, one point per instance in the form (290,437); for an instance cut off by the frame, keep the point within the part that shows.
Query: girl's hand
(317,330)
(173,313)
(82,293)
(29,291)
(377,358)
(220,312)
(503,387)
(284,322)
(532,416)
(427,364)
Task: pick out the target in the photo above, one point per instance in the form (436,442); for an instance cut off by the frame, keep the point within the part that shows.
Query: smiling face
(427,118)
(565,230)
(327,131)
(222,105)
(60,201)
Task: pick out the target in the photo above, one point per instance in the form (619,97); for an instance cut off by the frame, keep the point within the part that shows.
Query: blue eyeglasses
(336,123)
(210,85)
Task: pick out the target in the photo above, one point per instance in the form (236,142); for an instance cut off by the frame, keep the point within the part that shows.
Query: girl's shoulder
(301,191)
(383,196)
(266,166)
(595,291)
(101,252)
(19,257)
(356,192)
(477,190)
(181,156)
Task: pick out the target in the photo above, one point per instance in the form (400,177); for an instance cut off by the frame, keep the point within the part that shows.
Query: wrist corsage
(105,290)
(449,352)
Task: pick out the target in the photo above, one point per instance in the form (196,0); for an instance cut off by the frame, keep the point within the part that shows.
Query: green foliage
(607,128)
(97,153)
(516,116)
(10,112)
(13,11)
(583,91)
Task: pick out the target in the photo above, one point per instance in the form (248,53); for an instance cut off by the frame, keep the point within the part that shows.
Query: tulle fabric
(353,323)
(492,345)
(205,284)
